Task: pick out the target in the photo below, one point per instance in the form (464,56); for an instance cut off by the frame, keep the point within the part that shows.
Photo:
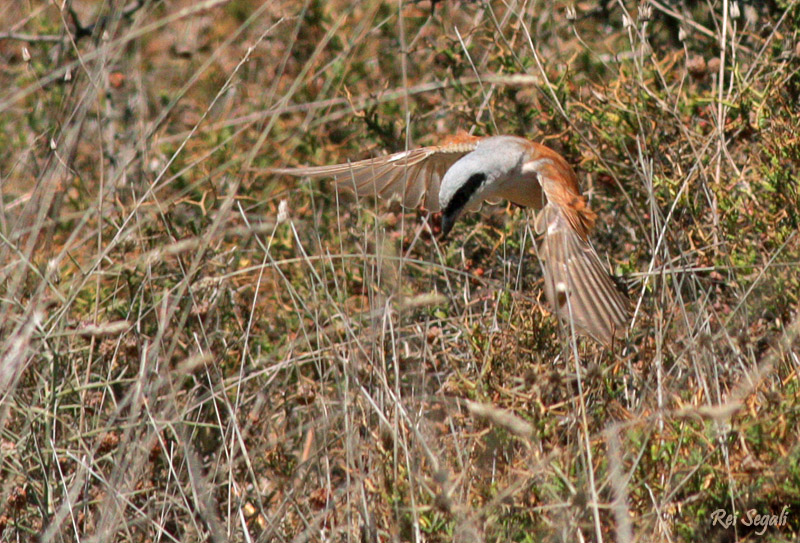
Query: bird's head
(478,176)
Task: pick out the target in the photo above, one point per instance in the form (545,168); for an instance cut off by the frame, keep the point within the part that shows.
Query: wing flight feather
(412,176)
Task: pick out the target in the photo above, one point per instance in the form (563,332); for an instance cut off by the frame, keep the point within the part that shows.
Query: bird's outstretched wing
(412,176)
(577,284)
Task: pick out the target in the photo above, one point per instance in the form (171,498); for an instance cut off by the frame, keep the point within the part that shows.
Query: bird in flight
(463,172)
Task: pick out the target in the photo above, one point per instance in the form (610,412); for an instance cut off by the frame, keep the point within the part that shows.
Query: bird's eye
(465,192)
(475,180)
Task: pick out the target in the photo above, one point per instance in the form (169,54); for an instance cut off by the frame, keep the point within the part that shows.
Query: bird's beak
(461,201)
(448,220)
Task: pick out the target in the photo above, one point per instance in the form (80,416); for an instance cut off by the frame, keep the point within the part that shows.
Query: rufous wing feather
(577,284)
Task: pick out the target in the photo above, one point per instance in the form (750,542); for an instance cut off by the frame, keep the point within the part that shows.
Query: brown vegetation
(192,350)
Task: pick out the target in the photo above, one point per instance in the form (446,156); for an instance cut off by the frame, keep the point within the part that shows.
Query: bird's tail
(577,285)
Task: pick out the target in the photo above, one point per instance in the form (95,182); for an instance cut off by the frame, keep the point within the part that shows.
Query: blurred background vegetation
(194,350)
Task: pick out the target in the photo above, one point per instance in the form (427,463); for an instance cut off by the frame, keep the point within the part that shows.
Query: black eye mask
(459,200)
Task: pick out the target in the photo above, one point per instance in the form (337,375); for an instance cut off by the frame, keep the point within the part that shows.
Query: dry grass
(194,351)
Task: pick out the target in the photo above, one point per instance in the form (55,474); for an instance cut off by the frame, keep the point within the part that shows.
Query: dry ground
(193,350)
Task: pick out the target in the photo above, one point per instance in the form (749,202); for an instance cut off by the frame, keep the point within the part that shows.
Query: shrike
(462,172)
